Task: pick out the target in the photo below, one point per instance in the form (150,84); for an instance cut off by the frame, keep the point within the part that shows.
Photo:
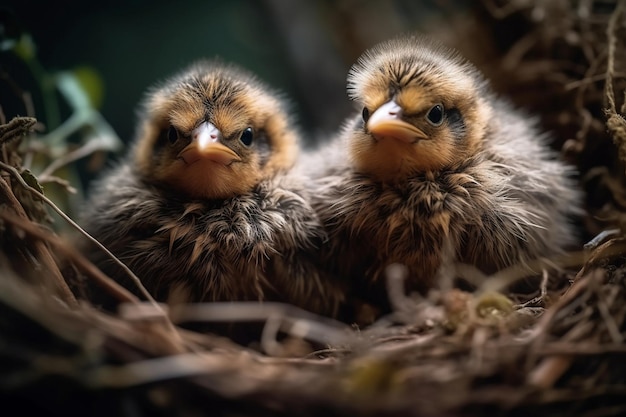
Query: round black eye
(247,136)
(435,115)
(366,114)
(172,134)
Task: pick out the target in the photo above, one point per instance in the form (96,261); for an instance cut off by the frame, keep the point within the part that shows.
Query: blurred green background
(301,47)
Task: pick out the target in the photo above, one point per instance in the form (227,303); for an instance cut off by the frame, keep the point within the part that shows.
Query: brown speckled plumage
(210,231)
(480,185)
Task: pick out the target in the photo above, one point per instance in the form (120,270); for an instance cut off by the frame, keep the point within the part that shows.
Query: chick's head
(424,108)
(214,131)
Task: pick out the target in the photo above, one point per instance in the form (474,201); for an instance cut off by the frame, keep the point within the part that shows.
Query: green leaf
(92,84)
(25,48)
(82,87)
(31,180)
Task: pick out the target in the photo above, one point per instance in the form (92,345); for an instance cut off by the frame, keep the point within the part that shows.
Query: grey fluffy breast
(125,197)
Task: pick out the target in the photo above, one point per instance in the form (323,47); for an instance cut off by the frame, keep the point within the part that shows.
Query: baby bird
(436,169)
(204,207)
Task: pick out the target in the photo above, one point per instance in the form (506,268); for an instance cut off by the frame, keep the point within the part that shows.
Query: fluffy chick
(204,207)
(436,169)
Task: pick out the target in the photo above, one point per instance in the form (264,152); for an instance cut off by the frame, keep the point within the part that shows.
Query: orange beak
(386,122)
(205,144)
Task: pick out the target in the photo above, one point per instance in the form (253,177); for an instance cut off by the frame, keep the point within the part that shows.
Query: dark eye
(435,115)
(247,136)
(172,135)
(366,114)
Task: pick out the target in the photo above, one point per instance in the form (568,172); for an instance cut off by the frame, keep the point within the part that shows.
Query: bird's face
(213,132)
(422,109)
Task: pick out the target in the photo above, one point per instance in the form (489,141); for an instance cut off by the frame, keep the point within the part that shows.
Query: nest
(554,348)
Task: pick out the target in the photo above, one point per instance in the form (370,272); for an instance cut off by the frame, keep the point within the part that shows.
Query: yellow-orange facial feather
(416,75)
(230,100)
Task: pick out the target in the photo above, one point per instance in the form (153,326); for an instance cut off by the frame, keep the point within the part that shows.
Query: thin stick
(103,280)
(615,123)
(610,66)
(86,149)
(588,80)
(41,250)
(507,276)
(278,317)
(60,212)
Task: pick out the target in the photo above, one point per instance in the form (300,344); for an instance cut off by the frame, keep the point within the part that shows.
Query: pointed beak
(205,144)
(386,122)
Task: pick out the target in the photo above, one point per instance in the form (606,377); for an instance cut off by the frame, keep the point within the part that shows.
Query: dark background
(303,48)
